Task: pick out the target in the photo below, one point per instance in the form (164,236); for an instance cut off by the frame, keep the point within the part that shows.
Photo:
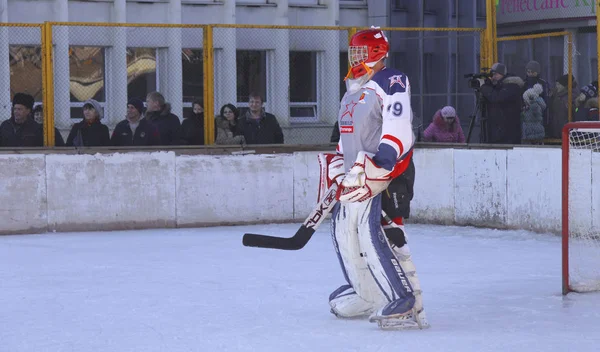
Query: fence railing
(297,71)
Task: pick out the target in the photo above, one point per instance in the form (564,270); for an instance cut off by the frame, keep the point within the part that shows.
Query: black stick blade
(296,242)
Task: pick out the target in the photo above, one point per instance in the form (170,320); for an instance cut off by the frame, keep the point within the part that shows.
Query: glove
(481,81)
(364,180)
(331,171)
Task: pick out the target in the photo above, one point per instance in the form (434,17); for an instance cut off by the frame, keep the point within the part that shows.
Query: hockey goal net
(581,207)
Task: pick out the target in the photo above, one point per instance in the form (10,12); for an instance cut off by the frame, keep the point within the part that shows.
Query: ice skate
(410,320)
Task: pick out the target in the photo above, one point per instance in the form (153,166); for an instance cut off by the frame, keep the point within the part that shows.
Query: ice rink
(201,290)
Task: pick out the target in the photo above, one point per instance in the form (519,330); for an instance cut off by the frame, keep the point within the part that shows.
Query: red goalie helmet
(366,48)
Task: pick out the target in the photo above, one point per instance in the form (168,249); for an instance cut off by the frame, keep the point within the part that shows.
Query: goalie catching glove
(364,180)
(331,171)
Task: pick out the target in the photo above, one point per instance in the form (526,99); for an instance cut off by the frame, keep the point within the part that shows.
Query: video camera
(474,82)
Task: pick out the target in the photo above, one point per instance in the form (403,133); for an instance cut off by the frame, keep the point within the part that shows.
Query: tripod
(478,110)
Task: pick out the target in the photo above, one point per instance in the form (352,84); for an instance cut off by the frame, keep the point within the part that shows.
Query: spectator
(135,130)
(533,115)
(158,112)
(586,103)
(558,114)
(192,128)
(21,130)
(90,132)
(532,78)
(503,101)
(258,126)
(38,116)
(445,127)
(226,126)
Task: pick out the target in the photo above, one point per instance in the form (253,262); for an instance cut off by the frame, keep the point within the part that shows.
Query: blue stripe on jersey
(390,80)
(385,157)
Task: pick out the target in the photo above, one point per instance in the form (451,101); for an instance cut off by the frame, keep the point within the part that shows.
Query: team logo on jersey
(346,119)
(361,100)
(397,79)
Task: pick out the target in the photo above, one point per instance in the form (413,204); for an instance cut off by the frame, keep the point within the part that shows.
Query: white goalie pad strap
(364,180)
(331,169)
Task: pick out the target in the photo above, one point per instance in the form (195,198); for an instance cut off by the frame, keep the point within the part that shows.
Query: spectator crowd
(146,123)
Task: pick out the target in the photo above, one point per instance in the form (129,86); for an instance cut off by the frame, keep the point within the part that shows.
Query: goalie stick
(304,233)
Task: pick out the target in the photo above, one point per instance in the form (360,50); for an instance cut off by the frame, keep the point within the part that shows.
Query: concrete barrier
(518,188)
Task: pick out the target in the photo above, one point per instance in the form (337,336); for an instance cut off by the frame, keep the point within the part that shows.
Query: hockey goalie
(375,148)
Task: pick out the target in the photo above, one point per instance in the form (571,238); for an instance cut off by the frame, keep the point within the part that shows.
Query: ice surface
(201,290)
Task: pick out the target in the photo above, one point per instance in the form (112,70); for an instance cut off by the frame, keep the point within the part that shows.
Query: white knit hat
(448,111)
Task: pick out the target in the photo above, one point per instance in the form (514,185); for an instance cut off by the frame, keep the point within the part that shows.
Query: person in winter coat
(503,99)
(533,115)
(558,112)
(258,126)
(158,112)
(192,128)
(226,126)
(586,103)
(90,132)
(38,116)
(21,130)
(445,127)
(135,130)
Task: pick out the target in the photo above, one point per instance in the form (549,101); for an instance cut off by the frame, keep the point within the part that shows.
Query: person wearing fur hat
(134,129)
(90,132)
(558,110)
(445,127)
(502,98)
(533,115)
(21,130)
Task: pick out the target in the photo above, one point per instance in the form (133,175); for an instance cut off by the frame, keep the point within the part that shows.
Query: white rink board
(306,183)
(110,191)
(536,172)
(480,187)
(595,193)
(22,193)
(580,191)
(433,201)
(234,189)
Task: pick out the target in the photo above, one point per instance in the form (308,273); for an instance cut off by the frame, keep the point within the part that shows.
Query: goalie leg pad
(346,303)
(352,261)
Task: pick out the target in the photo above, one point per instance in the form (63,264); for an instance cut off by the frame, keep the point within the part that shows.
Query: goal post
(581,207)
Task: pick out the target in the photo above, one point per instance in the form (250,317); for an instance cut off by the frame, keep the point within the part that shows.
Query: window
(343,72)
(141,72)
(303,2)
(594,68)
(453,7)
(251,74)
(428,6)
(86,71)
(401,5)
(193,74)
(303,86)
(430,78)
(480,10)
(26,70)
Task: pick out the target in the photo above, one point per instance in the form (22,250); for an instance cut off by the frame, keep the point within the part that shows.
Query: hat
(563,80)
(499,68)
(138,104)
(96,105)
(448,111)
(591,90)
(24,99)
(533,66)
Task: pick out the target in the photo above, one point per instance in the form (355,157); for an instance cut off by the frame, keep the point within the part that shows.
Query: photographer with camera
(502,97)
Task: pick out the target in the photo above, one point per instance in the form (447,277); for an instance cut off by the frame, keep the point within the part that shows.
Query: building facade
(299,72)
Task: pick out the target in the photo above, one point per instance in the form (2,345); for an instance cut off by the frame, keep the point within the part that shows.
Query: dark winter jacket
(335,134)
(145,134)
(192,130)
(588,112)
(503,103)
(227,134)
(265,130)
(168,125)
(86,134)
(27,134)
(558,112)
(440,131)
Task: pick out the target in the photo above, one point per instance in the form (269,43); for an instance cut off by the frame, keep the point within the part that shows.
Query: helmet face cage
(357,54)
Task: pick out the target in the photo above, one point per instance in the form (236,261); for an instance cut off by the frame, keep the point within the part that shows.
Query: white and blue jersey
(377,118)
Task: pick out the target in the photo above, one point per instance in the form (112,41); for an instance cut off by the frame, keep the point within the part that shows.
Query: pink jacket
(439,131)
